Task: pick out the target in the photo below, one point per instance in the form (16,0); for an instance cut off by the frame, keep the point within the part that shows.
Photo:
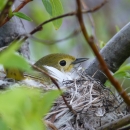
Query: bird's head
(62,62)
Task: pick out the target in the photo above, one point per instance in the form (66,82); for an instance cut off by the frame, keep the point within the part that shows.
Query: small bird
(56,65)
(59,66)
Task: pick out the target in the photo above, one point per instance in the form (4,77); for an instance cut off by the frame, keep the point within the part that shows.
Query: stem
(104,67)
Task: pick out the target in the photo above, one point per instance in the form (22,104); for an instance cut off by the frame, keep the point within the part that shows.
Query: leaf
(22,15)
(124,68)
(2,4)
(16,61)
(3,125)
(117,28)
(108,83)
(9,58)
(54,8)
(48,6)
(122,74)
(23,108)
(48,99)
(102,44)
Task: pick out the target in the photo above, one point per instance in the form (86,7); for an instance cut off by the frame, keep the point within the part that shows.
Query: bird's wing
(58,75)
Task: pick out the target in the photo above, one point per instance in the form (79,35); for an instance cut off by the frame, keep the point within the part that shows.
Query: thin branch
(50,125)
(39,27)
(92,23)
(22,5)
(53,80)
(91,43)
(125,127)
(7,18)
(116,124)
(5,11)
(48,42)
(66,15)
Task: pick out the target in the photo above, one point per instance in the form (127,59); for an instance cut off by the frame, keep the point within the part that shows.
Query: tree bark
(116,51)
(10,31)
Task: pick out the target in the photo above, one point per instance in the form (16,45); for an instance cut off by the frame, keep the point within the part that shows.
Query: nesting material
(94,104)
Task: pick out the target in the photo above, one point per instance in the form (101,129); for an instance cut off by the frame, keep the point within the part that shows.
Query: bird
(57,65)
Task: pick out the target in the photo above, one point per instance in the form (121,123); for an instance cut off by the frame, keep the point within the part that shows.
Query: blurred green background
(107,21)
(102,24)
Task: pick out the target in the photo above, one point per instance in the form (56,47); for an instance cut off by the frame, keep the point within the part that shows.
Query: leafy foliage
(123,72)
(2,4)
(22,15)
(9,58)
(23,108)
(54,8)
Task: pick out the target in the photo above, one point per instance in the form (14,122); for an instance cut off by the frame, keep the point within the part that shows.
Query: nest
(93,105)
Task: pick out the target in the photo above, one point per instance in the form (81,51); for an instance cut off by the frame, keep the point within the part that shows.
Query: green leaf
(2,4)
(117,28)
(16,61)
(23,108)
(48,99)
(54,8)
(3,125)
(9,58)
(22,15)
(108,83)
(48,6)
(124,68)
(102,44)
(122,74)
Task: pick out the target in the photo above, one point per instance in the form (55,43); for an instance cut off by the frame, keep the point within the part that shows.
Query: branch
(39,27)
(49,42)
(22,5)
(116,51)
(103,65)
(5,11)
(53,80)
(66,15)
(6,19)
(91,22)
(116,124)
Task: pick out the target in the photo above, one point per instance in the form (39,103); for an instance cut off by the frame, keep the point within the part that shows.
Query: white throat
(60,76)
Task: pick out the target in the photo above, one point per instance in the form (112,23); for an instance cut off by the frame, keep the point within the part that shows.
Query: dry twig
(116,124)
(48,42)
(7,18)
(5,12)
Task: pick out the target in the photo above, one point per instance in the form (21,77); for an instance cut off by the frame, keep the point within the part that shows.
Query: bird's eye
(62,62)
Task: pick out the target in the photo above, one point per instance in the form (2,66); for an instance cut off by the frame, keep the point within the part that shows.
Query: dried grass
(94,104)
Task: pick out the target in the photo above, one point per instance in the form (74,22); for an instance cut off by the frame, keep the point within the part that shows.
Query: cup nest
(93,105)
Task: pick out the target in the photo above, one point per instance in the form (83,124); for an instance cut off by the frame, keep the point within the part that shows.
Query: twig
(125,127)
(92,23)
(22,5)
(116,124)
(5,11)
(7,18)
(53,80)
(65,15)
(90,41)
(48,42)
(39,27)
(50,125)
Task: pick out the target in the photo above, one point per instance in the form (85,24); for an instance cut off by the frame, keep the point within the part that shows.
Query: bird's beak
(79,60)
